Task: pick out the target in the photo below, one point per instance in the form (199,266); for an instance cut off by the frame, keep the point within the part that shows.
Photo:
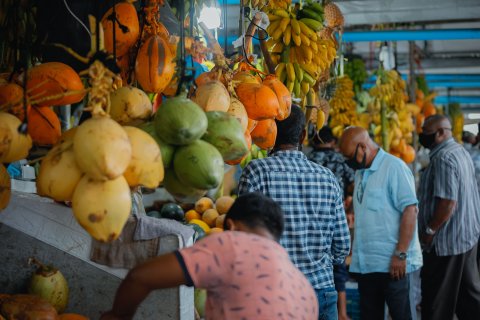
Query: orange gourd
(72,316)
(54,78)
(283,95)
(44,126)
(251,125)
(259,100)
(265,134)
(127,28)
(409,154)
(154,68)
(12,93)
(429,109)
(248,138)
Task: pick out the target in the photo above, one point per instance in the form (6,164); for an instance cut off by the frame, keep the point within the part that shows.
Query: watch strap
(429,231)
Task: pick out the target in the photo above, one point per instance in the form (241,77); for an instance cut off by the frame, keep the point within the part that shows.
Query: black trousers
(450,285)
(377,288)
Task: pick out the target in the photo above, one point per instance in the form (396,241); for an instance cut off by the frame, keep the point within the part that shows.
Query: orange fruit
(192,214)
(219,221)
(210,216)
(223,204)
(203,204)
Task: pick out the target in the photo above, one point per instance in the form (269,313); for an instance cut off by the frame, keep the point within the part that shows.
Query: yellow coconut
(5,188)
(212,96)
(102,149)
(102,207)
(14,146)
(130,106)
(146,166)
(238,110)
(59,173)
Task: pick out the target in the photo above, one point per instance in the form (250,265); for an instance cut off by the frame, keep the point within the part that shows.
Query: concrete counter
(36,226)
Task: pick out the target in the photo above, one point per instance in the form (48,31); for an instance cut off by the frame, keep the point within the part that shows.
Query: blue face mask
(354,164)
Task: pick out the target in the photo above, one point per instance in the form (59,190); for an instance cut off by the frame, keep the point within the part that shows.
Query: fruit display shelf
(39,227)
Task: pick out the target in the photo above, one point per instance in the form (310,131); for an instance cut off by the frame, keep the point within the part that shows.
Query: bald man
(386,249)
(449,223)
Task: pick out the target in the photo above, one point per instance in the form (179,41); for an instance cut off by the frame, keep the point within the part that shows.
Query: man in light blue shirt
(386,246)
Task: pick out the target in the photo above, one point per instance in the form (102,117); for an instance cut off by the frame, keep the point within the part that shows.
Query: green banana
(316,7)
(298,72)
(308,78)
(312,24)
(312,14)
(296,88)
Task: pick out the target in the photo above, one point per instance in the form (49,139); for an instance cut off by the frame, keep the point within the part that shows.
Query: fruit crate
(353,300)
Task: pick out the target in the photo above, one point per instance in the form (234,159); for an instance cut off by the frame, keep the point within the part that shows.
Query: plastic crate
(353,300)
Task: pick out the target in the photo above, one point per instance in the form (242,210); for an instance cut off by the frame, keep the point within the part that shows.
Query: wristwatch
(429,231)
(401,255)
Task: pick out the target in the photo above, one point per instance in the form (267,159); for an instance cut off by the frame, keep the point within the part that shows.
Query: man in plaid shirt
(316,233)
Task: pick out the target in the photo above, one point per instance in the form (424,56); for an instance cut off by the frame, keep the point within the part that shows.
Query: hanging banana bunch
(343,112)
(296,45)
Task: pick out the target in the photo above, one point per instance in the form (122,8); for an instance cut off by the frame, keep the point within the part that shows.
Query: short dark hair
(324,135)
(256,210)
(290,130)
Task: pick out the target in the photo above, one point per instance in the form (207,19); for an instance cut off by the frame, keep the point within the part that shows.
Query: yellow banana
(314,47)
(290,71)
(277,47)
(284,23)
(279,69)
(272,17)
(305,86)
(281,13)
(290,85)
(305,40)
(273,26)
(310,70)
(308,53)
(277,34)
(306,30)
(287,35)
(296,39)
(295,26)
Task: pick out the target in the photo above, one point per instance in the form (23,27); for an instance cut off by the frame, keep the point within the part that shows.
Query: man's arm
(444,209)
(341,234)
(398,267)
(158,273)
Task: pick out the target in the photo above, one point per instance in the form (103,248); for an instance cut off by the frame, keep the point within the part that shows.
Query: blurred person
(246,272)
(324,154)
(470,144)
(316,232)
(449,223)
(386,249)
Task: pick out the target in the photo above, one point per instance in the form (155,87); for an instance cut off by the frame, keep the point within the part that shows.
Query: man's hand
(398,268)
(426,240)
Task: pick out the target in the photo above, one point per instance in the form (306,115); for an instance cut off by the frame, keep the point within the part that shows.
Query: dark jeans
(450,285)
(340,276)
(327,303)
(377,288)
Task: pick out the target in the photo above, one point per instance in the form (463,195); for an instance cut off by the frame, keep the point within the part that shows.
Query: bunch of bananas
(297,48)
(255,153)
(343,108)
(355,69)
(455,113)
(394,129)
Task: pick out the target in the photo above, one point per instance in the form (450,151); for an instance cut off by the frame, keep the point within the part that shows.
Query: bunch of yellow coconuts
(95,164)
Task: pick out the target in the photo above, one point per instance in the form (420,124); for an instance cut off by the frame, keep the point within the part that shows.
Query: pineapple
(333,16)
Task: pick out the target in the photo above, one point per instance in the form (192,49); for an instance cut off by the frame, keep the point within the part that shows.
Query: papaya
(225,133)
(180,121)
(165,149)
(199,165)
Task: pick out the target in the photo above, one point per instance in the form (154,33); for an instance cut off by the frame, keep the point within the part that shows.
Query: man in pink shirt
(247,274)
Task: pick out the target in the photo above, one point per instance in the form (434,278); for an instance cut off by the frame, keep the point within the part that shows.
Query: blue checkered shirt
(316,234)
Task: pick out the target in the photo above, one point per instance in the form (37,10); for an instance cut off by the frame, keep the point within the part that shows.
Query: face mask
(427,140)
(352,163)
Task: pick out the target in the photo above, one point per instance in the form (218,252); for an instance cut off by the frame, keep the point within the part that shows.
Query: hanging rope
(114,12)
(182,48)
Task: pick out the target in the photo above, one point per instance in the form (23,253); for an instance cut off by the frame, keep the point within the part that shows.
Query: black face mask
(427,140)
(352,163)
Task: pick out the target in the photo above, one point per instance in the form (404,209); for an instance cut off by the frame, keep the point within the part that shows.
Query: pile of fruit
(455,113)
(392,116)
(343,108)
(300,45)
(355,69)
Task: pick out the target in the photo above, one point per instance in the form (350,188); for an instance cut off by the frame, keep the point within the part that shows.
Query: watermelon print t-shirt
(248,277)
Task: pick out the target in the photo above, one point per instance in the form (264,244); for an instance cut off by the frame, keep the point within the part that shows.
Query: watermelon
(165,149)
(180,121)
(172,211)
(180,191)
(226,134)
(199,165)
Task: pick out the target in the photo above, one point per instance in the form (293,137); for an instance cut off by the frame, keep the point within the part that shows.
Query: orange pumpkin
(54,78)
(283,95)
(127,28)
(429,109)
(44,126)
(409,154)
(265,134)
(13,93)
(251,125)
(248,138)
(72,316)
(154,67)
(260,101)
